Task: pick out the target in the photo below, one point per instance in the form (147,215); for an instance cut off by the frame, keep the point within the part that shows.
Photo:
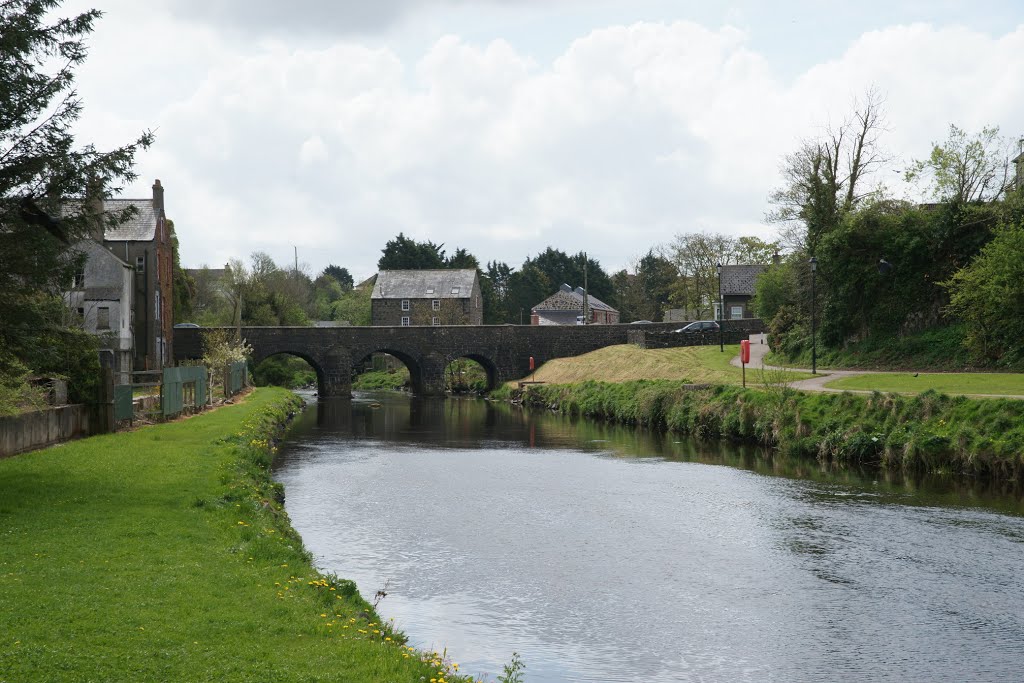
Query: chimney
(158,197)
(776,259)
(93,208)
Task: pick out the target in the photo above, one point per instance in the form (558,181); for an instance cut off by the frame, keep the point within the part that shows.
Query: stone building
(565,307)
(102,299)
(738,287)
(138,234)
(426,297)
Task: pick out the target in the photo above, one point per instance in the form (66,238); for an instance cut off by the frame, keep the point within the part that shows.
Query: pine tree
(43,170)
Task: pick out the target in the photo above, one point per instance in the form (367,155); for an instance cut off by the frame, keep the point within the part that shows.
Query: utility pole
(586,293)
(296,261)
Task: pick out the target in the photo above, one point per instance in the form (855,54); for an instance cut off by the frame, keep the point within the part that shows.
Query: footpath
(759,349)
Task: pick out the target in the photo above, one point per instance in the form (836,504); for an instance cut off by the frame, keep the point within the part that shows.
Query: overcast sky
(506,126)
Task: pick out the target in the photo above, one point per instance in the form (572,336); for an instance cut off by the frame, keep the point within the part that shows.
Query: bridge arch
(318,367)
(489,366)
(410,361)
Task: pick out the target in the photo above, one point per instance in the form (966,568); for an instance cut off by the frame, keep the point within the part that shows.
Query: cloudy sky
(505,126)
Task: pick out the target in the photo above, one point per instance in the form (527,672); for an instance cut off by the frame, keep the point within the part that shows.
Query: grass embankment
(382,380)
(991,383)
(939,349)
(164,554)
(926,433)
(626,362)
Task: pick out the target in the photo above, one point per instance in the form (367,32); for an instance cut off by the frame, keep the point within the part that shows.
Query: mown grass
(164,554)
(926,433)
(1005,384)
(626,363)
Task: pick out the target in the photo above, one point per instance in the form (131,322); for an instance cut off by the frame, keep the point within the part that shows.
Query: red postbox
(745,351)
(531,363)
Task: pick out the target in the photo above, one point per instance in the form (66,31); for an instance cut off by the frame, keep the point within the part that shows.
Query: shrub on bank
(927,433)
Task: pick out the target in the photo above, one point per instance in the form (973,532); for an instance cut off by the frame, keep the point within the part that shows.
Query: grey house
(565,307)
(145,241)
(426,297)
(102,299)
(738,284)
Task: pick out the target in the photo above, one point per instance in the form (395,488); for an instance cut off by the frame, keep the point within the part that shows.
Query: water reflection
(611,554)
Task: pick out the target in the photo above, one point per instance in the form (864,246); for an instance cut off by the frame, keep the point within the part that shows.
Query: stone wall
(733,332)
(28,431)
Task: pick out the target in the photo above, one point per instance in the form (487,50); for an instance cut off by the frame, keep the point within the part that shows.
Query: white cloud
(632,134)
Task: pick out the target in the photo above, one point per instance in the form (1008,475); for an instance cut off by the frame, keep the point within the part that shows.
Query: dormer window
(455,290)
(430,290)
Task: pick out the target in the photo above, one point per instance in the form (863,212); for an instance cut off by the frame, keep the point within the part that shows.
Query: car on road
(699,326)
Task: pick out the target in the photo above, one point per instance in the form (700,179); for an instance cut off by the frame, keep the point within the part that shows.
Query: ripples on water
(604,554)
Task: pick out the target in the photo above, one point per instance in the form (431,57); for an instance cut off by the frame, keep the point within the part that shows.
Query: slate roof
(141,227)
(739,280)
(424,284)
(571,301)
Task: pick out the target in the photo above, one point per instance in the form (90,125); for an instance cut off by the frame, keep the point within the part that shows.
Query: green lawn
(163,555)
(947,383)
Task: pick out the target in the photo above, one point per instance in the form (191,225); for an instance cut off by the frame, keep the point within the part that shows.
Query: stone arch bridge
(504,351)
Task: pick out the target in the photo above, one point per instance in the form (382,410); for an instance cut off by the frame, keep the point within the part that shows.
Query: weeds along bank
(165,554)
(928,433)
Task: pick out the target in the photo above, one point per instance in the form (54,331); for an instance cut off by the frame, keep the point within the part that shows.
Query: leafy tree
(494,287)
(462,259)
(340,275)
(825,178)
(989,296)
(696,256)
(965,168)
(41,165)
(353,307)
(527,287)
(558,268)
(403,253)
(753,250)
(184,287)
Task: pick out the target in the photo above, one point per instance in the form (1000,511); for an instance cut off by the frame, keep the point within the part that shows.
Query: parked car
(641,322)
(699,326)
(185,325)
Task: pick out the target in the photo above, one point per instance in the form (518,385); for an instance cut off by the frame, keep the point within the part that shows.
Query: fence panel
(123,408)
(172,392)
(234,378)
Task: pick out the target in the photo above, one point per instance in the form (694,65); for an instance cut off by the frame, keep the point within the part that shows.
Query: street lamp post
(814,338)
(721,312)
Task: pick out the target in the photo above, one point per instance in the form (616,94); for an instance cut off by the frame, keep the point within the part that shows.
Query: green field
(998,384)
(163,554)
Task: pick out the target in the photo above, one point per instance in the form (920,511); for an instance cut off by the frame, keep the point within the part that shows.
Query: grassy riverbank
(627,362)
(164,554)
(926,433)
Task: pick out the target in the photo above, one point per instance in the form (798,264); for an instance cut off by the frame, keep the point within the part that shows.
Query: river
(603,553)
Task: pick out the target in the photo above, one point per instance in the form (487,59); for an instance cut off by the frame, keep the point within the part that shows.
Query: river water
(603,553)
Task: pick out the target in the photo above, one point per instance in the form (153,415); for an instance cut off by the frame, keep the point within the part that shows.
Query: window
(405,321)
(436,304)
(103,318)
(455,290)
(435,320)
(736,312)
(405,304)
(140,264)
